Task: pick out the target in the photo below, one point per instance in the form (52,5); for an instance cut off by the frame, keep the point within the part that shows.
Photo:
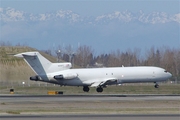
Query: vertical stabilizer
(39,64)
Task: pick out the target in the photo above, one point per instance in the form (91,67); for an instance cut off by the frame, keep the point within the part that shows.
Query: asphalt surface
(92,117)
(68,102)
(14,98)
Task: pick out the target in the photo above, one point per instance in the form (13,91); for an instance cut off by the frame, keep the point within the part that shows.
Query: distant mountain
(12,15)
(105,33)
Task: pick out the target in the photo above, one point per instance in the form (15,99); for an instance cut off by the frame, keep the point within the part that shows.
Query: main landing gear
(98,89)
(86,89)
(156,85)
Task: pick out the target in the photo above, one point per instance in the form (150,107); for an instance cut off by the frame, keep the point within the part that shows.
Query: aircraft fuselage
(120,74)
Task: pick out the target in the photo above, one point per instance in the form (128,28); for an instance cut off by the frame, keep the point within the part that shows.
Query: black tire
(99,89)
(156,86)
(86,89)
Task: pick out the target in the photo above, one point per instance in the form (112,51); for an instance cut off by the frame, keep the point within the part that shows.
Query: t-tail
(40,65)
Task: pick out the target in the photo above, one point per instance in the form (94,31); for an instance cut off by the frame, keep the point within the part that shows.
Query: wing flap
(104,82)
(95,84)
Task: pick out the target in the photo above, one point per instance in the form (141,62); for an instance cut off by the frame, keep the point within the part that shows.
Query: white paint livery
(60,73)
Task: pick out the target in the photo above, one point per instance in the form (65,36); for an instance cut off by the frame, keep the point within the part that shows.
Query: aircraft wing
(104,82)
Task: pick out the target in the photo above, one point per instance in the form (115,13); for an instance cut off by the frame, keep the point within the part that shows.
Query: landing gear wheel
(86,89)
(99,89)
(156,86)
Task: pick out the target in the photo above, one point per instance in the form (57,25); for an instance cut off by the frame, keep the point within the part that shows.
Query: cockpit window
(165,71)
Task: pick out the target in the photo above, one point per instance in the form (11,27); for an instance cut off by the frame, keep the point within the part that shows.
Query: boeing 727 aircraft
(61,74)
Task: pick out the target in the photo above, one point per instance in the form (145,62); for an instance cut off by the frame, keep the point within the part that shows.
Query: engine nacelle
(58,77)
(67,76)
(34,78)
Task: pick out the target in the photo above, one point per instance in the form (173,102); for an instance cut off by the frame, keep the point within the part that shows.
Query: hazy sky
(103,37)
(93,7)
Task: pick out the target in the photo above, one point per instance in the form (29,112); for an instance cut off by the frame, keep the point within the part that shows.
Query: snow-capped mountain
(11,14)
(105,32)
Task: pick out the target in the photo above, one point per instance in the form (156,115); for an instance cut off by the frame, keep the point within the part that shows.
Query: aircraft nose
(169,74)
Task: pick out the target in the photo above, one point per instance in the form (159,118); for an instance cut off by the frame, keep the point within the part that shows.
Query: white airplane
(61,74)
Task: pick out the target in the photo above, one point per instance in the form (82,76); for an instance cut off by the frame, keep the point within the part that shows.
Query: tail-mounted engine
(35,78)
(67,76)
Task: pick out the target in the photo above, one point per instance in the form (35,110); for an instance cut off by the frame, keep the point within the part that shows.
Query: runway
(71,98)
(101,107)
(92,117)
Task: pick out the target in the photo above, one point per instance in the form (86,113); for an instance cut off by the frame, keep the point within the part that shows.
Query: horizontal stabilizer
(31,54)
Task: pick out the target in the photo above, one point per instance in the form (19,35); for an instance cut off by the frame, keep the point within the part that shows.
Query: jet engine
(67,76)
(34,78)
